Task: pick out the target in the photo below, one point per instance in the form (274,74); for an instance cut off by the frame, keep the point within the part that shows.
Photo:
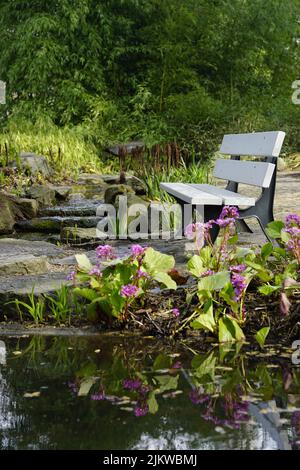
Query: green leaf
(87,293)
(152,403)
(215,281)
(233,240)
(86,385)
(205,255)
(162,362)
(266,250)
(267,289)
(156,262)
(241,253)
(229,330)
(84,263)
(262,273)
(204,366)
(274,229)
(167,382)
(206,319)
(195,266)
(164,278)
(94,283)
(261,336)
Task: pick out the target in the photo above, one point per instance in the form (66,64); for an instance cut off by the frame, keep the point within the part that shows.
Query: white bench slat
(252,173)
(260,144)
(191,195)
(229,197)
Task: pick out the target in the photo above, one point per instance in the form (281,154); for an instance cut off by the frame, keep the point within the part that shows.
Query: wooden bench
(262,174)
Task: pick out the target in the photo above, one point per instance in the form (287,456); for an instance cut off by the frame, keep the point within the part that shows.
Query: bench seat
(190,195)
(205,194)
(229,198)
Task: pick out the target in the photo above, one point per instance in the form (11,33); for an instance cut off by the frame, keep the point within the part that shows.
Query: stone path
(25,264)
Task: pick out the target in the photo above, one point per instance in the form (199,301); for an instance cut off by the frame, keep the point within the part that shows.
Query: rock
(48,225)
(23,264)
(33,163)
(28,207)
(75,197)
(9,213)
(80,208)
(44,194)
(20,287)
(111,179)
(12,247)
(139,187)
(281,164)
(90,178)
(131,200)
(54,224)
(77,236)
(61,192)
(113,191)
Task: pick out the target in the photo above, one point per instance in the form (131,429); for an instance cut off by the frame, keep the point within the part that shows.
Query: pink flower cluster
(129,290)
(105,252)
(137,251)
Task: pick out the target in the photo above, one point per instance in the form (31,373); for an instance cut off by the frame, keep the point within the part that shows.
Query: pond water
(126,392)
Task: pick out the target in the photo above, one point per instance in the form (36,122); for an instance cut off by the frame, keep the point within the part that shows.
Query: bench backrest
(260,144)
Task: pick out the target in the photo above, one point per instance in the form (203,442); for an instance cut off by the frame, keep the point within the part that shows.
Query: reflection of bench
(261,174)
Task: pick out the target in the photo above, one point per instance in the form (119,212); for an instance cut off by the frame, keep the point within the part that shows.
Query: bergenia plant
(223,272)
(283,261)
(114,285)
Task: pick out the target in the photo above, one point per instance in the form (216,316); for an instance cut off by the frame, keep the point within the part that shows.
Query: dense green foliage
(160,70)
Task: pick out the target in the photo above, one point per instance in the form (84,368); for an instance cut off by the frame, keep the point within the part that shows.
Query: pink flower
(140,274)
(137,250)
(207,273)
(71,276)
(176,312)
(229,212)
(239,284)
(132,384)
(129,290)
(239,268)
(141,410)
(105,252)
(95,271)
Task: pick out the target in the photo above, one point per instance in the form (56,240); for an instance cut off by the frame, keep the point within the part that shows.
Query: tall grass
(194,173)
(70,150)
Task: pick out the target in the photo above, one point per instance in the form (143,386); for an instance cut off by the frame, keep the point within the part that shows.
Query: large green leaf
(156,262)
(164,278)
(84,263)
(229,330)
(86,293)
(267,250)
(195,266)
(86,385)
(206,319)
(274,229)
(215,281)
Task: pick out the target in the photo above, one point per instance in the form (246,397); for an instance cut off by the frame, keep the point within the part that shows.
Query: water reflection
(118,392)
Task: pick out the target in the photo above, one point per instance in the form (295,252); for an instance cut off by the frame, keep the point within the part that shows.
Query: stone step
(80,208)
(20,257)
(55,224)
(20,287)
(22,265)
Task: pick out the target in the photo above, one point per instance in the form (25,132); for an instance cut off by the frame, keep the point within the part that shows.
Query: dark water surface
(122,392)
